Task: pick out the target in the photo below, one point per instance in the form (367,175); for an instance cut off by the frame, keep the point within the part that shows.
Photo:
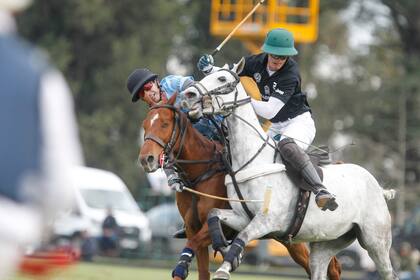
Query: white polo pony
(362,211)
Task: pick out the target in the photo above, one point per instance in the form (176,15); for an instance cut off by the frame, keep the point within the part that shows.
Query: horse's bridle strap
(236,103)
(167,148)
(156,139)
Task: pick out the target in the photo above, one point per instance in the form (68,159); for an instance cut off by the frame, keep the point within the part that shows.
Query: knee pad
(293,154)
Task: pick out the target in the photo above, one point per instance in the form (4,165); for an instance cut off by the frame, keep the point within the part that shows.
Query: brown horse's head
(160,133)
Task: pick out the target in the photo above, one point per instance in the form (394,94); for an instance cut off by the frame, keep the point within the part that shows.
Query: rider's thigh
(301,129)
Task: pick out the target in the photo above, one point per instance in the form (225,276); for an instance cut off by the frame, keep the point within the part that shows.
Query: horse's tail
(389,194)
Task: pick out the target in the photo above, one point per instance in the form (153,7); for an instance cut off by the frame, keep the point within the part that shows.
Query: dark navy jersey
(21,142)
(285,84)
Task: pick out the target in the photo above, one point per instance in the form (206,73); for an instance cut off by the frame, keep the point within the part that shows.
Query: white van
(95,191)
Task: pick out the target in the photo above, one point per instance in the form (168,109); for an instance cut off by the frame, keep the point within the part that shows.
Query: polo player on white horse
(285,105)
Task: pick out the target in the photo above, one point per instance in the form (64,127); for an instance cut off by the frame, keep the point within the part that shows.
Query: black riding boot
(300,161)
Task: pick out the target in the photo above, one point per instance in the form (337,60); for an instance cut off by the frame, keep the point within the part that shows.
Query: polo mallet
(236,28)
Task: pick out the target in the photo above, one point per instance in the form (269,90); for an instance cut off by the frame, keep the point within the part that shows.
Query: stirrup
(325,200)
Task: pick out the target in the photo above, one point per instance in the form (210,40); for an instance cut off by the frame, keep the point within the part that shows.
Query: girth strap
(299,215)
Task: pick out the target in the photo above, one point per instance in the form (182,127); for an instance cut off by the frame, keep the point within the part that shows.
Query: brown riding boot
(300,161)
(323,198)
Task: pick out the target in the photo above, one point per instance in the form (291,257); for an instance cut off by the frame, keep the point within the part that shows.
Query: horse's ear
(172,100)
(238,67)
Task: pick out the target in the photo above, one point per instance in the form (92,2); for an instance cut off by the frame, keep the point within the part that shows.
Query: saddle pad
(255,172)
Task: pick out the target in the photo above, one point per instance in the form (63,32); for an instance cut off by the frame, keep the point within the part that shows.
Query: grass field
(85,271)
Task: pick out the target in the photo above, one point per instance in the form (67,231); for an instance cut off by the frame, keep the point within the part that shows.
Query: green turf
(85,271)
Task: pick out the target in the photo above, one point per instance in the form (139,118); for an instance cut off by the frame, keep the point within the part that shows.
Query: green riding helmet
(279,41)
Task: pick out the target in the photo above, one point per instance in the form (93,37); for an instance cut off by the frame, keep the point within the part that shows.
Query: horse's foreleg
(334,269)
(197,245)
(300,254)
(203,263)
(228,217)
(257,228)
(180,271)
(200,242)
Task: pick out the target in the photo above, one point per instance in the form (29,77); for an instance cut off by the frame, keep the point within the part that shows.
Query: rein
(222,198)
(232,105)
(226,157)
(168,149)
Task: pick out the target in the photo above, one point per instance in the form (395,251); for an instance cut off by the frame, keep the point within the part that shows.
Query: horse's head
(215,94)
(161,129)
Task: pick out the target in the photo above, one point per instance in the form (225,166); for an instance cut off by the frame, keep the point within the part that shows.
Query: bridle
(179,123)
(171,161)
(229,108)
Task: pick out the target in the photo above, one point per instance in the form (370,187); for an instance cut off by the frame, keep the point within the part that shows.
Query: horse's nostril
(150,159)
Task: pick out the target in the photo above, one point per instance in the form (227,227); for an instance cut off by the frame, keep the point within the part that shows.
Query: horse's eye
(165,125)
(222,78)
(190,94)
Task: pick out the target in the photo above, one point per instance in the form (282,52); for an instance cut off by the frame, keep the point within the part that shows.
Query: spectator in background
(110,231)
(408,260)
(88,247)
(38,144)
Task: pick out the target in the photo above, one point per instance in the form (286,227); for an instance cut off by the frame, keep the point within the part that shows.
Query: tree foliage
(97,44)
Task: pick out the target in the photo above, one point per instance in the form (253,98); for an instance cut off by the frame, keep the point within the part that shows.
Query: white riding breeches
(301,129)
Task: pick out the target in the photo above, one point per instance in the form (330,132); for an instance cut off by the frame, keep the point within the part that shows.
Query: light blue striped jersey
(175,83)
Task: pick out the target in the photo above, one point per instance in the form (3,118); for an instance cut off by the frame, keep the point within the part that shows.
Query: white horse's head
(217,93)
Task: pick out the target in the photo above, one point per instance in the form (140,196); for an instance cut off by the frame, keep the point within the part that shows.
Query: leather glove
(205,63)
(175,183)
(179,187)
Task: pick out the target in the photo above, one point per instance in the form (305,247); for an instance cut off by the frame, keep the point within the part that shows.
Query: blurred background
(360,68)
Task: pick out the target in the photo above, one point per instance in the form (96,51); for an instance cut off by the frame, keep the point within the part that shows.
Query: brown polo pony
(168,132)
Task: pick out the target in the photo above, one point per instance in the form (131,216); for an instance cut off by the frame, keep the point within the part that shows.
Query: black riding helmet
(137,79)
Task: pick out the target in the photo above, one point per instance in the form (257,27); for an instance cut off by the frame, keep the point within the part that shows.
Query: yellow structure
(298,16)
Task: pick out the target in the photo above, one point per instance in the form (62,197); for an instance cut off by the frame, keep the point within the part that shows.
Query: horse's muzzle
(149,162)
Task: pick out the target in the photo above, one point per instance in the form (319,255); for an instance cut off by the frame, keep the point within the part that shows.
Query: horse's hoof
(221,274)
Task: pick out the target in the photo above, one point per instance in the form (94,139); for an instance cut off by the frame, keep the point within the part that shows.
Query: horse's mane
(202,140)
